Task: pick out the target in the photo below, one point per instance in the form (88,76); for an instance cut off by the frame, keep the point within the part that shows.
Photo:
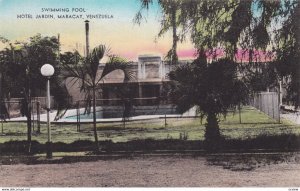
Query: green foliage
(214,88)
(25,59)
(262,25)
(32,56)
(288,50)
(259,76)
(20,73)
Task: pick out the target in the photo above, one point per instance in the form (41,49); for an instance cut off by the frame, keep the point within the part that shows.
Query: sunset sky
(120,33)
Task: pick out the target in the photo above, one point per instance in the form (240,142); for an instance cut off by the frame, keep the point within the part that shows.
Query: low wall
(117,111)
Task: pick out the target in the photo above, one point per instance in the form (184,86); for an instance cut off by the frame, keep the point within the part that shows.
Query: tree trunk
(27,97)
(212,133)
(174,57)
(29,126)
(94,120)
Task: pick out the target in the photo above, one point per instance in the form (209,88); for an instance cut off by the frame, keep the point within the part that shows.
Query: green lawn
(254,123)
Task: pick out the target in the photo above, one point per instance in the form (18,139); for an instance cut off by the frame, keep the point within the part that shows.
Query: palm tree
(214,88)
(85,70)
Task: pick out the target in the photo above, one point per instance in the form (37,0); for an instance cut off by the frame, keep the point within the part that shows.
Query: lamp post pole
(47,70)
(49,149)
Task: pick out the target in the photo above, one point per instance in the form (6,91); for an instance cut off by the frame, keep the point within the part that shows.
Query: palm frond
(117,63)
(93,60)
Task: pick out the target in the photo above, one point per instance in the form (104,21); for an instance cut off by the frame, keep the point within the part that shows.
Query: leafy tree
(259,76)
(214,24)
(244,24)
(84,70)
(288,49)
(23,61)
(12,59)
(5,80)
(214,88)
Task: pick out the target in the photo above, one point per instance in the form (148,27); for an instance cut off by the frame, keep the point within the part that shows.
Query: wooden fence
(267,102)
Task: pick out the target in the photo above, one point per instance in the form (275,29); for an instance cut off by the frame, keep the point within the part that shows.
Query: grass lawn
(254,123)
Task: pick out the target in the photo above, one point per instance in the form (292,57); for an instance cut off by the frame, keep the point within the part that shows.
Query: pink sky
(125,38)
(241,55)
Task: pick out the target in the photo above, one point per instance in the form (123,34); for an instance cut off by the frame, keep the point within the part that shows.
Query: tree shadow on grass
(13,134)
(252,123)
(250,161)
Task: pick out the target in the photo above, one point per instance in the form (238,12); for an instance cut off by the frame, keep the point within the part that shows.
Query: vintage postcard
(149,93)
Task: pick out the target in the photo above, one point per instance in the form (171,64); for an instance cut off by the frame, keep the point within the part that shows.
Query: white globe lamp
(47,70)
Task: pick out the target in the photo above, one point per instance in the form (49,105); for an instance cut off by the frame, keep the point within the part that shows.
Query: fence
(120,102)
(38,105)
(124,108)
(267,102)
(160,122)
(12,109)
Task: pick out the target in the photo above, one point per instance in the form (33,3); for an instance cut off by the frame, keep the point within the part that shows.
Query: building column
(162,70)
(139,70)
(160,92)
(143,71)
(140,94)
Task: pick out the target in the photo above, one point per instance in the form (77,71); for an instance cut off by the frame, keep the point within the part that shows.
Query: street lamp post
(47,70)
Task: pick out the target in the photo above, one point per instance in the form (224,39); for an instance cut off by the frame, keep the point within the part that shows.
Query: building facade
(149,75)
(143,94)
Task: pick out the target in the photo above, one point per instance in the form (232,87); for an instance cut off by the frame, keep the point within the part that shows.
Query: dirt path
(213,171)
